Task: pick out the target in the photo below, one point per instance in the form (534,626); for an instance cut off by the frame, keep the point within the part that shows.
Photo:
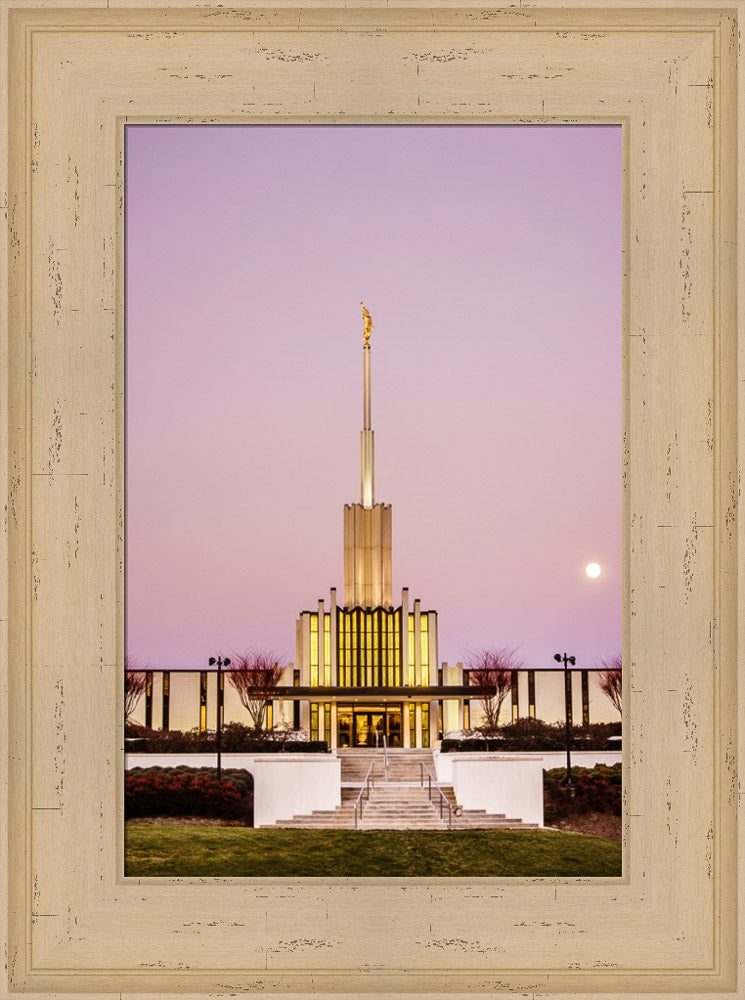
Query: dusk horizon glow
(490,260)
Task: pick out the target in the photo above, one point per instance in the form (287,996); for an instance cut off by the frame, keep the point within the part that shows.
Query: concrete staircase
(403,765)
(397,801)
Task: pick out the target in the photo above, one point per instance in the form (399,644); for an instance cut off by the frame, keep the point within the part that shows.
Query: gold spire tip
(368,324)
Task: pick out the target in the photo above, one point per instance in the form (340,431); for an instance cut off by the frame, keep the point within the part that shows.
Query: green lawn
(160,849)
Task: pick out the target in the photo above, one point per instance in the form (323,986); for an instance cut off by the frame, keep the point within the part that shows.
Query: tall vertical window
(296,703)
(327,649)
(531,694)
(376,648)
(327,722)
(585,698)
(368,618)
(515,697)
(314,650)
(397,647)
(354,662)
(166,700)
(203,701)
(314,720)
(149,699)
(347,650)
(568,695)
(221,699)
(425,725)
(412,663)
(424,625)
(412,724)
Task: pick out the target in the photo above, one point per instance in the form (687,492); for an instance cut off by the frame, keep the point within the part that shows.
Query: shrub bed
(536,735)
(596,789)
(184,791)
(235,738)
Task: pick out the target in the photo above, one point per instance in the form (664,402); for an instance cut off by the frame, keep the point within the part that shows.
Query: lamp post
(567,707)
(220,664)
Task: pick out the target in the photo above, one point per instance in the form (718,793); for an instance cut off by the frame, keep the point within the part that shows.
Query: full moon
(592,570)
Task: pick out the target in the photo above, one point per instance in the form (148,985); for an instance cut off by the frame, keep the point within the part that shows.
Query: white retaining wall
(498,783)
(550,759)
(509,783)
(285,784)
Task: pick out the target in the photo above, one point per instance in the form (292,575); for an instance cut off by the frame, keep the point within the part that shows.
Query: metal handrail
(443,798)
(385,749)
(369,780)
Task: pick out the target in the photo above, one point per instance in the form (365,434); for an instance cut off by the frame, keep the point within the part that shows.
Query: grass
(183,850)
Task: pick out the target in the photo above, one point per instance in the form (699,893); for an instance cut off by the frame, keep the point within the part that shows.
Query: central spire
(367,440)
(367,525)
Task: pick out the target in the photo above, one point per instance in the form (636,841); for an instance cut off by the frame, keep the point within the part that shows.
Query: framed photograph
(77,76)
(469,465)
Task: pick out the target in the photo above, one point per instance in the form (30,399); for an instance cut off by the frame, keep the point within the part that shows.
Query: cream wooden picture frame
(76,72)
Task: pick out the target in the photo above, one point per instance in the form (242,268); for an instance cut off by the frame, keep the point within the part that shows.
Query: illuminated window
(347,679)
(412,725)
(466,715)
(314,650)
(411,650)
(424,624)
(149,699)
(327,722)
(368,649)
(269,715)
(203,701)
(396,648)
(314,720)
(327,649)
(221,699)
(568,695)
(425,725)
(354,659)
(531,694)
(376,652)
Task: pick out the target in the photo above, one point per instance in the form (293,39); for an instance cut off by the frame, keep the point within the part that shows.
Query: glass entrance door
(358,725)
(369,728)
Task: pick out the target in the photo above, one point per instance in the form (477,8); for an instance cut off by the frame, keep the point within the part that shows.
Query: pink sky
(489,257)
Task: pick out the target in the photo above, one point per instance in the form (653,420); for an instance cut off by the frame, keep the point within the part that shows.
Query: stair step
(397,800)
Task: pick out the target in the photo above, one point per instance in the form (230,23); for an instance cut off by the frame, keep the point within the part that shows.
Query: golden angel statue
(367,319)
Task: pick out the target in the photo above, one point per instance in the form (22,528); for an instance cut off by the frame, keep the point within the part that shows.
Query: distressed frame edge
(741,167)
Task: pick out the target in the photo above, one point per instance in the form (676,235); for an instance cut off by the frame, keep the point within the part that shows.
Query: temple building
(367,667)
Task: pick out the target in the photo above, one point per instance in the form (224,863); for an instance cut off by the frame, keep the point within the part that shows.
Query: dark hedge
(184,791)
(596,789)
(236,738)
(536,735)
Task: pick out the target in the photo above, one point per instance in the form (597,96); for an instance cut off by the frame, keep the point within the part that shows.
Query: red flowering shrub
(159,791)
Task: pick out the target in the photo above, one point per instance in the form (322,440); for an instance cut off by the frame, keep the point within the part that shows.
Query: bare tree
(255,676)
(490,673)
(135,682)
(610,681)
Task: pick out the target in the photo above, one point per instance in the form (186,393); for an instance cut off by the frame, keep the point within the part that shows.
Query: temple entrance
(365,725)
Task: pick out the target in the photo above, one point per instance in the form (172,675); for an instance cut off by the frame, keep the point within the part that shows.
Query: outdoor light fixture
(567,660)
(220,664)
